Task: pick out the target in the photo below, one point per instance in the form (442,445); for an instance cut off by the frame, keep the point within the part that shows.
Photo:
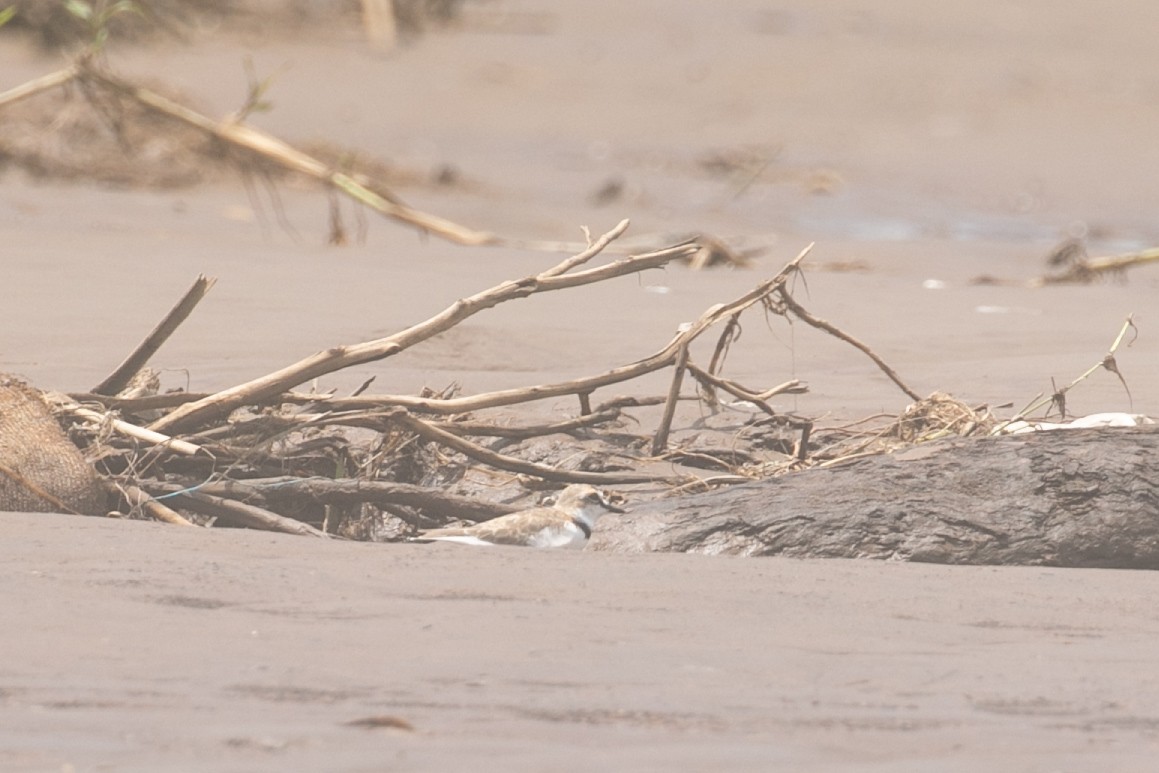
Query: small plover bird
(566,524)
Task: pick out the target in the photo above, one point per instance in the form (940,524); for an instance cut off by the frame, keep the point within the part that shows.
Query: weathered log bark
(1060,498)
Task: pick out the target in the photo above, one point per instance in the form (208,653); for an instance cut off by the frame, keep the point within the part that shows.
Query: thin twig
(821,324)
(596,248)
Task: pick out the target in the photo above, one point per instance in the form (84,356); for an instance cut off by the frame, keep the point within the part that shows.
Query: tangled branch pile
(369,466)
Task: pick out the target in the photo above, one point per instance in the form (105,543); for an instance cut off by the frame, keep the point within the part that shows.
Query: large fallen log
(1058,498)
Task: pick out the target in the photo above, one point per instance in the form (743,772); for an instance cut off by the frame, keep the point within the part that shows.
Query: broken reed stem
(251,140)
(119,378)
(660,441)
(198,413)
(821,324)
(433,434)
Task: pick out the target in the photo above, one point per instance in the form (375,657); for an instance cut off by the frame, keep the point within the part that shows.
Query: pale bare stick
(119,378)
(138,498)
(197,413)
(237,512)
(37,85)
(428,432)
(832,330)
(660,441)
(142,434)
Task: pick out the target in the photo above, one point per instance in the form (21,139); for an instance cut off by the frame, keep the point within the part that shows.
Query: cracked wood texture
(1059,498)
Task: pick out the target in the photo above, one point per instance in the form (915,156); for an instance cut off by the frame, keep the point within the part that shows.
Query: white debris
(1084,422)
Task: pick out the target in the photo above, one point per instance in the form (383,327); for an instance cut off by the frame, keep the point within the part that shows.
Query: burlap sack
(40,470)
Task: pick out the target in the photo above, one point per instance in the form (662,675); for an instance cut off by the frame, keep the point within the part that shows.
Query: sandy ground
(925,144)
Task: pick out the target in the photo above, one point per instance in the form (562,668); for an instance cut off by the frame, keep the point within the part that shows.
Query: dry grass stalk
(38,85)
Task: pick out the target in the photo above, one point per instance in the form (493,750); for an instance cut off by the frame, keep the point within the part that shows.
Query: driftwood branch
(233,511)
(661,359)
(119,378)
(138,498)
(195,414)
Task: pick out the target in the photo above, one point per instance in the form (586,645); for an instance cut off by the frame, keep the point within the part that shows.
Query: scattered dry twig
(336,358)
